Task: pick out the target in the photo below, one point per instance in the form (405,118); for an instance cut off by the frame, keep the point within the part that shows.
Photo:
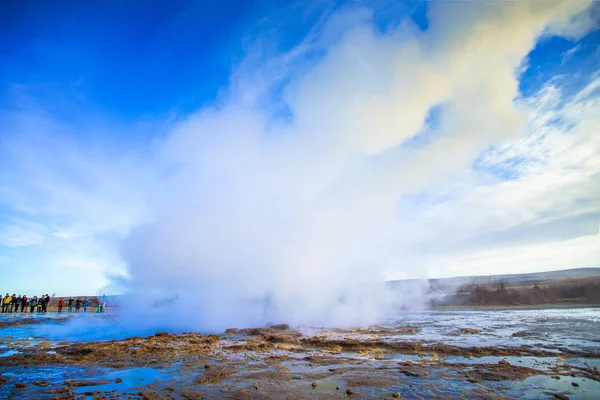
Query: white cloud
(583,251)
(73,188)
(571,52)
(63,235)
(28,234)
(552,193)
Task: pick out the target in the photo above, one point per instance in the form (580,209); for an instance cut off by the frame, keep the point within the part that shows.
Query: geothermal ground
(523,353)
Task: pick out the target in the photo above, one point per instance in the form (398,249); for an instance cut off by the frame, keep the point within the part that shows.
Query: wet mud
(22,321)
(278,362)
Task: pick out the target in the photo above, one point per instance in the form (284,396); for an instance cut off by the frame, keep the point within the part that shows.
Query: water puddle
(9,353)
(125,379)
(573,388)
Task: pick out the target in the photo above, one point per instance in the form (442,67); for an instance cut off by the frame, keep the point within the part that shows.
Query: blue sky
(103,110)
(126,60)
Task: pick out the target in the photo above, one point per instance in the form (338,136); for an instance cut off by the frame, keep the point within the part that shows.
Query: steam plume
(297,215)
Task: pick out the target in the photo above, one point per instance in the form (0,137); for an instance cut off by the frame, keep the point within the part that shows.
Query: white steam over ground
(371,150)
(297,212)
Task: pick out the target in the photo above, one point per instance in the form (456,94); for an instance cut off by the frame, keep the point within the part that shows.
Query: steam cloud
(294,213)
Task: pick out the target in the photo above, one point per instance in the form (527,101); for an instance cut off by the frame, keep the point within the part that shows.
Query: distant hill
(570,286)
(575,273)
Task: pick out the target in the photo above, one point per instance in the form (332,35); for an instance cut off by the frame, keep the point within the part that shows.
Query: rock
(349,392)
(314,385)
(20,385)
(206,366)
(503,362)
(119,380)
(522,334)
(558,396)
(464,331)
(75,350)
(278,338)
(337,388)
(256,386)
(408,330)
(575,384)
(280,327)
(162,334)
(213,338)
(414,371)
(396,395)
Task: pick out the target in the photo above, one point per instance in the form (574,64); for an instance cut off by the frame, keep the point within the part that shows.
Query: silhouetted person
(45,302)
(85,305)
(24,301)
(71,304)
(33,304)
(61,304)
(16,303)
(78,304)
(40,304)
(6,303)
(13,300)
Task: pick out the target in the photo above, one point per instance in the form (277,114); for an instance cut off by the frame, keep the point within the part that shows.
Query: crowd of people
(14,303)
(78,304)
